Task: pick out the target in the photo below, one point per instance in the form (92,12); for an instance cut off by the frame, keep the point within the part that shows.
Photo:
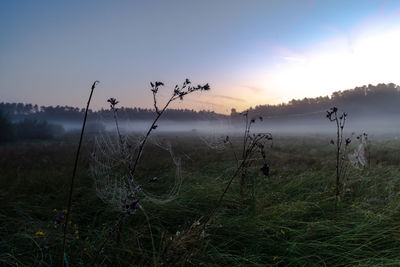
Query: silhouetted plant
(341,147)
(252,143)
(113,103)
(122,189)
(64,255)
(247,153)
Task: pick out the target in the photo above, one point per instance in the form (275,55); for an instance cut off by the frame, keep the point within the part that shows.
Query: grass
(292,221)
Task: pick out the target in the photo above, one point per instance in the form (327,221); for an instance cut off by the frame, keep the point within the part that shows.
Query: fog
(377,125)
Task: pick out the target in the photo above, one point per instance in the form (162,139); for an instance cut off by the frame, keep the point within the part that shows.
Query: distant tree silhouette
(20,111)
(381,99)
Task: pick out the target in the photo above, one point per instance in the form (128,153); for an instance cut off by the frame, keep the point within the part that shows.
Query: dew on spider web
(111,165)
(357,158)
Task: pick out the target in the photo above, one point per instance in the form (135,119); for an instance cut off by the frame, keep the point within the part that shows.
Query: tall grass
(294,223)
(291,221)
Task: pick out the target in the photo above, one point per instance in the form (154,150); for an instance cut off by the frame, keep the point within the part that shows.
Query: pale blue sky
(251,52)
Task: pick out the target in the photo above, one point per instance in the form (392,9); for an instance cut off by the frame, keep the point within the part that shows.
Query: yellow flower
(39,233)
(65,211)
(76,232)
(275,258)
(54,210)
(283,232)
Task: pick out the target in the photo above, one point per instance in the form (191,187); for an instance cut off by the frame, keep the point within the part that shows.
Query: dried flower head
(113,102)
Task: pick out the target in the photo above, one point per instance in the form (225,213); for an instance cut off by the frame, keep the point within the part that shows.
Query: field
(288,219)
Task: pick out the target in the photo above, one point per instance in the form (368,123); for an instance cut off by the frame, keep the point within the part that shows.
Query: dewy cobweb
(357,158)
(115,159)
(110,169)
(213,142)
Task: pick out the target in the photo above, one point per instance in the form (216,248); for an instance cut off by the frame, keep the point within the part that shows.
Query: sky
(251,52)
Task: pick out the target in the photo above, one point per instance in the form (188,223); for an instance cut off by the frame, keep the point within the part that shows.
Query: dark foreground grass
(292,221)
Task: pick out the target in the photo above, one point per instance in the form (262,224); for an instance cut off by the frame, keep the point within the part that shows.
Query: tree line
(380,99)
(19,111)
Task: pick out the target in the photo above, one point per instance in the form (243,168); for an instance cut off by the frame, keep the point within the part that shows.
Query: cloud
(206,103)
(230,98)
(254,89)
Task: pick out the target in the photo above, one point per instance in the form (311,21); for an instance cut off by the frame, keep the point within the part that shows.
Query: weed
(64,256)
(123,184)
(341,148)
(251,144)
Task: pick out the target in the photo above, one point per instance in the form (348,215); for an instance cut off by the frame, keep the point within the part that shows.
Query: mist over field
(373,109)
(200,133)
(373,124)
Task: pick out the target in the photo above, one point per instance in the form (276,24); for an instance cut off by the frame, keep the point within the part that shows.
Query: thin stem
(117,126)
(238,169)
(155,102)
(338,144)
(74,174)
(132,172)
(152,127)
(178,93)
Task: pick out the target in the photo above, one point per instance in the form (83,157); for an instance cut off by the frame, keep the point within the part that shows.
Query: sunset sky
(250,52)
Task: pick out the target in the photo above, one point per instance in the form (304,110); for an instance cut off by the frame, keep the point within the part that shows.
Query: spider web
(111,169)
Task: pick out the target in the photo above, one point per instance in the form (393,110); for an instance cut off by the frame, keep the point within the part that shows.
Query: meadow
(289,219)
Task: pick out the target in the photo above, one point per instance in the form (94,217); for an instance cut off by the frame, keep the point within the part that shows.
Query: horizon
(259,54)
(330,97)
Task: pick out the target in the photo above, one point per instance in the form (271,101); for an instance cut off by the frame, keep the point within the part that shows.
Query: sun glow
(338,64)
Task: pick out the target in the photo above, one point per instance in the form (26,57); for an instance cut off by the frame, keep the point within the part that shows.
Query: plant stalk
(71,189)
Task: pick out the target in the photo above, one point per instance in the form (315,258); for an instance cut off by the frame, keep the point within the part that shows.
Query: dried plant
(342,145)
(248,153)
(64,256)
(114,166)
(252,143)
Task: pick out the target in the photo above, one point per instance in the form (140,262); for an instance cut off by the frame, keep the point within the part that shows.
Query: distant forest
(379,100)
(20,111)
(365,101)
